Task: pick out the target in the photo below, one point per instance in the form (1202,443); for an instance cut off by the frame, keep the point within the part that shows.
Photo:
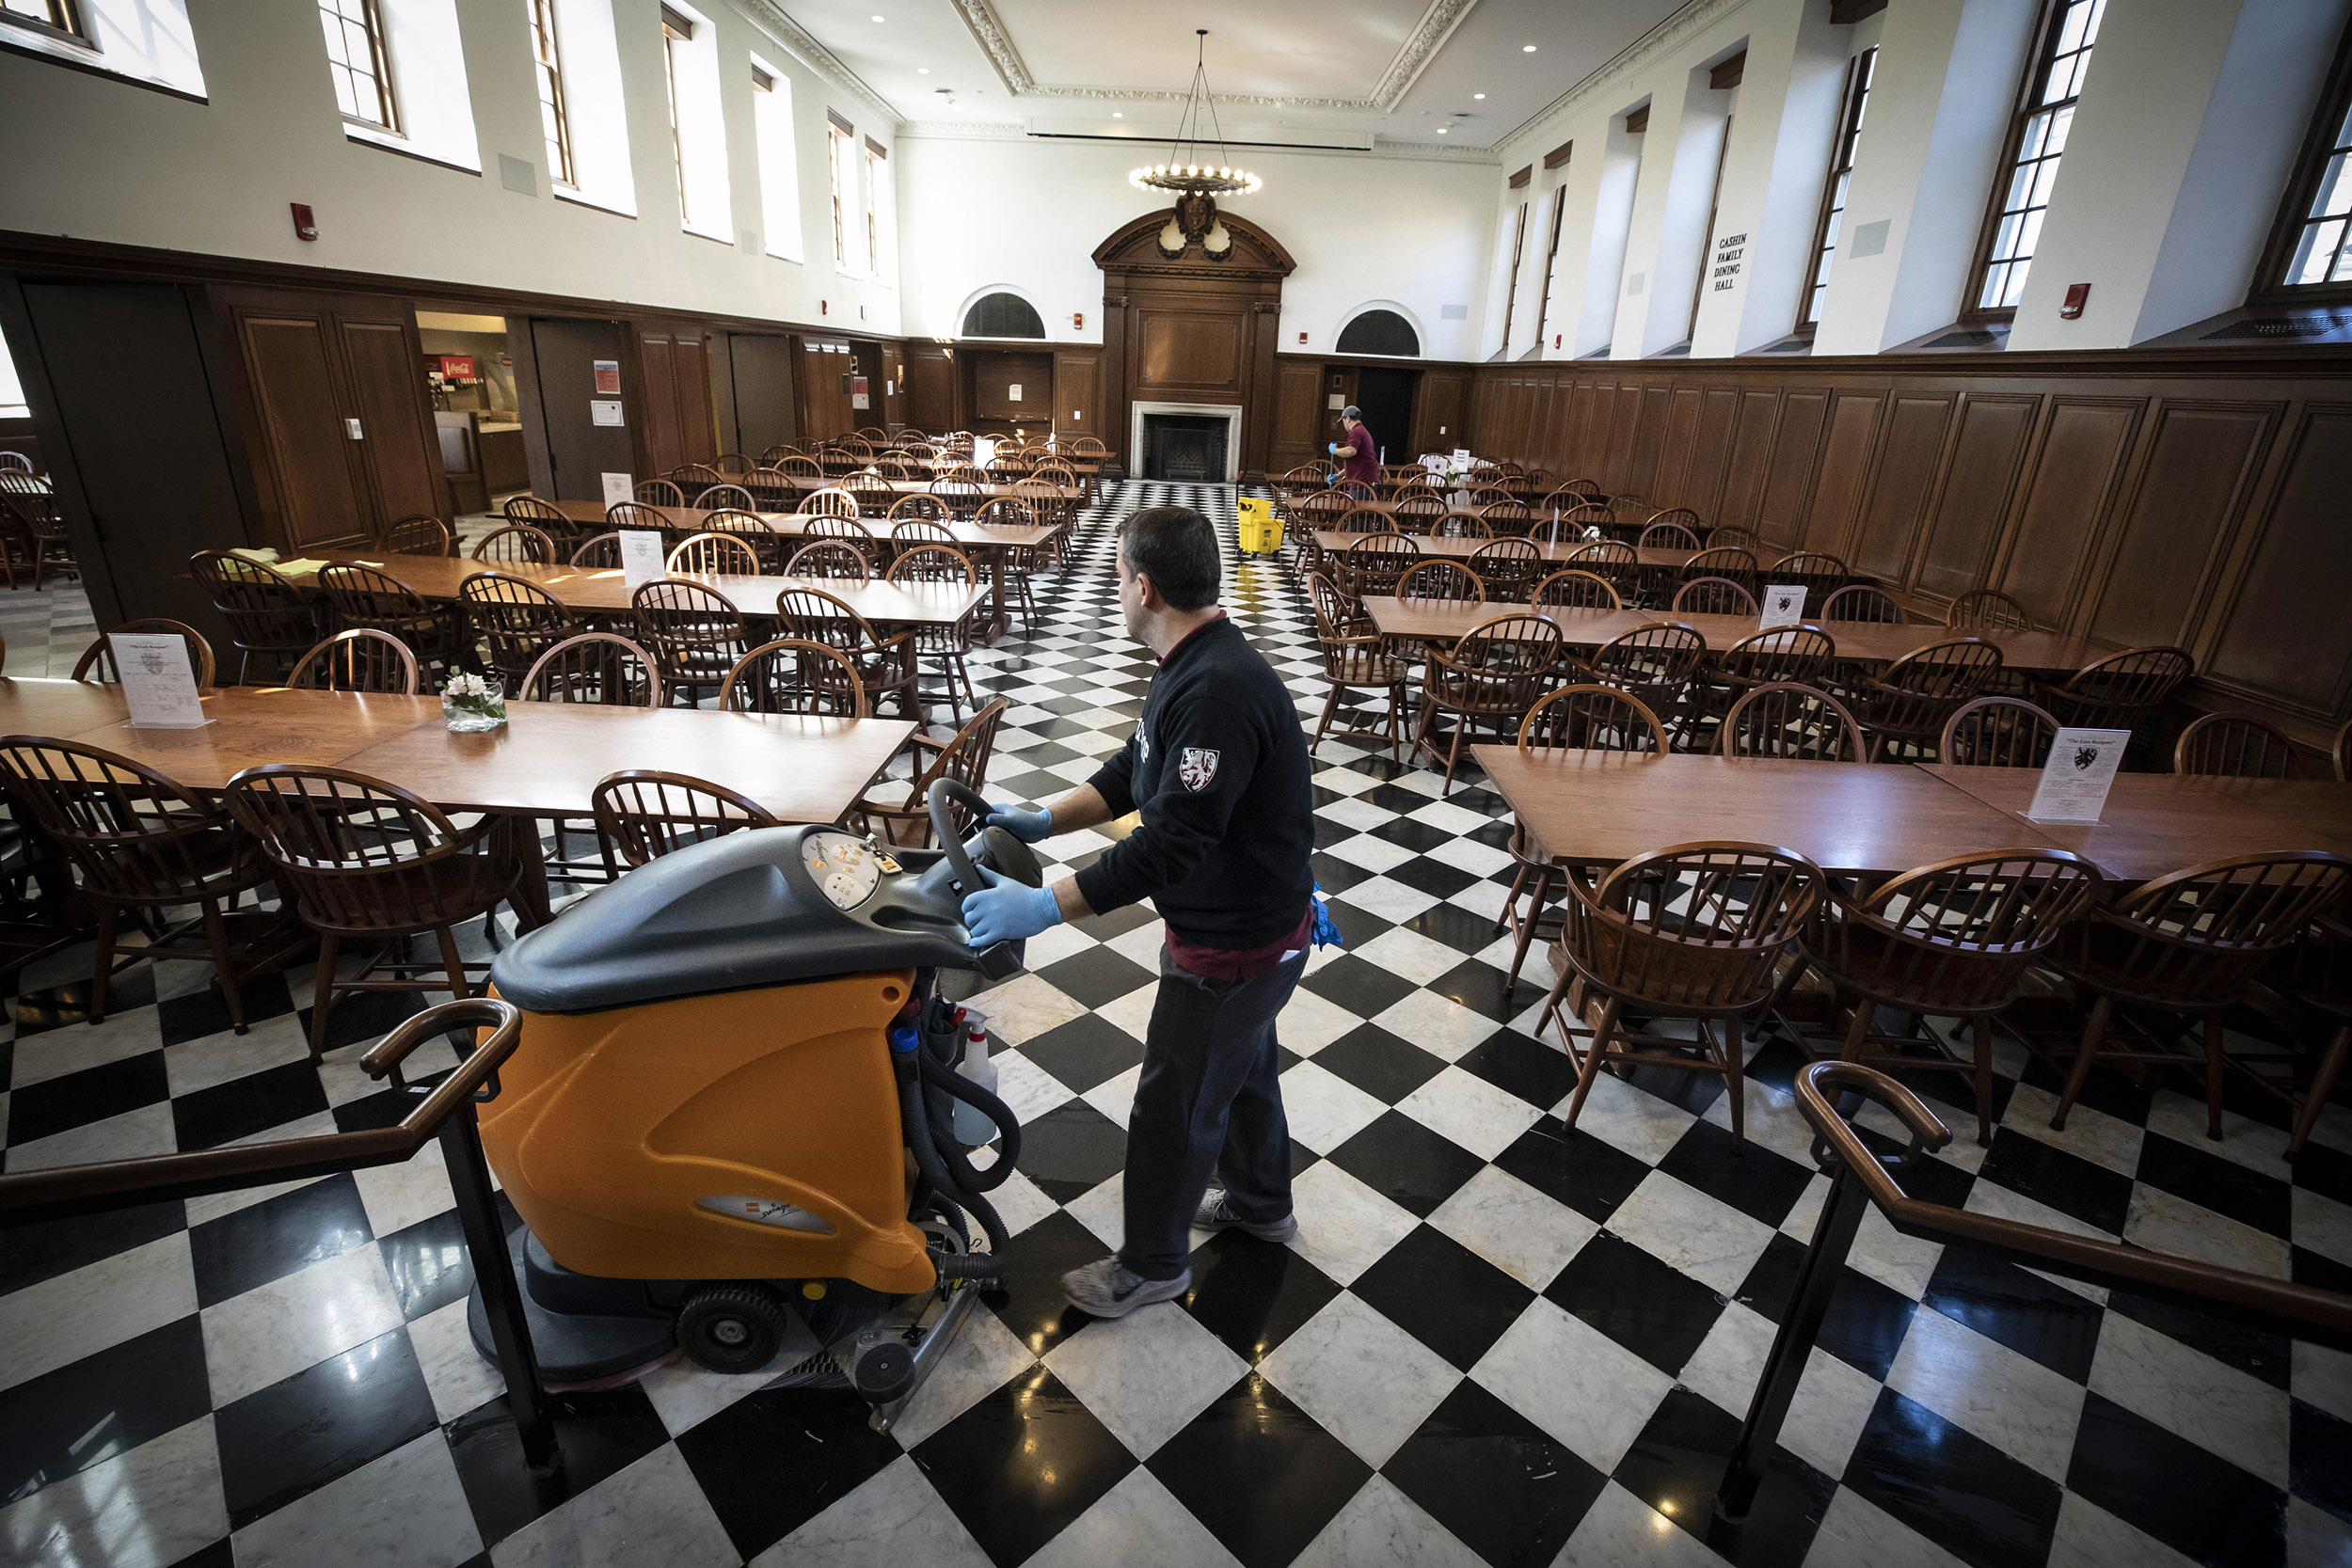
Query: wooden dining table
(1445,621)
(1446,547)
(545,761)
(2157,823)
(992,545)
(607,590)
(1599,808)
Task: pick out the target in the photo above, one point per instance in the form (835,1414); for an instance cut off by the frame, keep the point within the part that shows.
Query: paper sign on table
(2075,780)
(618,488)
(157,682)
(1784,604)
(642,560)
(1461,454)
(983,450)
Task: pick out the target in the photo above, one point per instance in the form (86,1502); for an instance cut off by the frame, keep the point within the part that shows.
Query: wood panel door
(660,447)
(762,368)
(1077,387)
(558,395)
(399,448)
(142,462)
(337,420)
(315,475)
(930,396)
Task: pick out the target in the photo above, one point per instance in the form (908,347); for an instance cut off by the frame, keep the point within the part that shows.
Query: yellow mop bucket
(1261,530)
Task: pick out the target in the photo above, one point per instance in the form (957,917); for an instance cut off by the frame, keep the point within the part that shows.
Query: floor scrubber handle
(999,961)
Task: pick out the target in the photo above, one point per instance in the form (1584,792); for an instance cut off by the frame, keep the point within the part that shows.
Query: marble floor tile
(2162,1222)
(1625,1117)
(75,1047)
(276,1330)
(1308,1022)
(2317,1538)
(1415,956)
(1622,1532)
(892,1521)
(1547,1366)
(1136,1521)
(79,1313)
(1382,1528)
(1514,1227)
(1343,1225)
(2322,1225)
(461,1378)
(398,1196)
(1325,1110)
(1438,1024)
(1146,1375)
(1368,1381)
(1473,1113)
(1115,1096)
(2087,1536)
(147,1508)
(1027,1090)
(2323,1378)
(1705,1238)
(406,1509)
(2011,1401)
(201,1064)
(2222,1410)
(2092,1134)
(1834,1397)
(148,1130)
(1857,1533)
(650,1515)
(1130,1012)
(1026,1006)
(981,1360)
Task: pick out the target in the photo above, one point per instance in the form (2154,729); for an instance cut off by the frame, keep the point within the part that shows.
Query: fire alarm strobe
(2077,295)
(306,227)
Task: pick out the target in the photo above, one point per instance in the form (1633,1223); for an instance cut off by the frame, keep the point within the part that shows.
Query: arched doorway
(1191,339)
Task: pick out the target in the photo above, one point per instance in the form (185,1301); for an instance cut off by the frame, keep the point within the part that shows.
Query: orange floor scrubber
(729,1127)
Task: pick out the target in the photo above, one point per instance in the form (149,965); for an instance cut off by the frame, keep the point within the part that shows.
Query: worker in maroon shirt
(1358,454)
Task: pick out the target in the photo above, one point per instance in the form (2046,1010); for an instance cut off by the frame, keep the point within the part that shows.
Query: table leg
(530,888)
(998,623)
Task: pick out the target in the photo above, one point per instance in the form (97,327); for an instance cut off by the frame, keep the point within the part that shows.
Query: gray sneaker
(1216,1213)
(1108,1289)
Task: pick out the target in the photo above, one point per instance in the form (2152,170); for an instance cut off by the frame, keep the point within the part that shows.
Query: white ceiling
(1117,65)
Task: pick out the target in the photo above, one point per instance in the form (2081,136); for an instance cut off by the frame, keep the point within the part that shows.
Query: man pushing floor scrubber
(1218,768)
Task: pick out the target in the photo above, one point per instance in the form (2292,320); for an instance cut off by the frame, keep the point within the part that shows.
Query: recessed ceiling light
(1115,115)
(878,18)
(1442,130)
(1524,48)
(1478,95)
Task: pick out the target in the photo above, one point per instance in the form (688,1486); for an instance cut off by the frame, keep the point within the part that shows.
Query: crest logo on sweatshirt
(1197,767)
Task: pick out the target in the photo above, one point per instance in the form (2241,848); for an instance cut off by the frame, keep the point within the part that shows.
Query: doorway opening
(1386,397)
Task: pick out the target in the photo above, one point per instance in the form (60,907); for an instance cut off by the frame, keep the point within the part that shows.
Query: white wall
(981,212)
(2181,146)
(121,164)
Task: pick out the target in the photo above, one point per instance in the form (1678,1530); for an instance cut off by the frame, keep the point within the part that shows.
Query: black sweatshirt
(1219,766)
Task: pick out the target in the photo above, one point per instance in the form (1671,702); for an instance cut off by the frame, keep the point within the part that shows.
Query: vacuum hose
(1007,1127)
(912,1111)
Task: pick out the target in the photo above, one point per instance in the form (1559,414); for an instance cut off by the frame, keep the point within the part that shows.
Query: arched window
(1380,332)
(1002,315)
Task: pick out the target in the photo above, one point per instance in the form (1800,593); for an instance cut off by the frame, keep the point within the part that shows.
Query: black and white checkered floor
(1491,1342)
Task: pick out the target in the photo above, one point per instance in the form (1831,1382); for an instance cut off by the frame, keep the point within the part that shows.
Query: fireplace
(1184,448)
(1184,443)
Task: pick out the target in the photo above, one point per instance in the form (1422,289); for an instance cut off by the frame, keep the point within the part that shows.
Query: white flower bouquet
(470,701)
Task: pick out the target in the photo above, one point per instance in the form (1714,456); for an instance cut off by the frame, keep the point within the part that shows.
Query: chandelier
(1196,182)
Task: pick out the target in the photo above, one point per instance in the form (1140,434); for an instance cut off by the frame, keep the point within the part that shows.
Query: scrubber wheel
(733,1328)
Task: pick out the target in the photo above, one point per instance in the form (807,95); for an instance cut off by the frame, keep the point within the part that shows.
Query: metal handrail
(446,1112)
(1862,1179)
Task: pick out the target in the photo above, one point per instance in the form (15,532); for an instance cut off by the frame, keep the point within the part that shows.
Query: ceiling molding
(1665,36)
(950,130)
(770,16)
(1421,46)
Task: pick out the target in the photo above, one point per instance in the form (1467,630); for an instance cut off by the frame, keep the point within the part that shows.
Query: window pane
(2016,287)
(2062,122)
(2071,31)
(2043,179)
(2317,252)
(1988,297)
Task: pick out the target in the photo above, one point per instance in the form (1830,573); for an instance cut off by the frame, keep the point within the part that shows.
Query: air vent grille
(2280,326)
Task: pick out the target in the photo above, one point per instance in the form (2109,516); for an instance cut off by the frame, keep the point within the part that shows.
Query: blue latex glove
(1326,929)
(1332,447)
(1029,827)
(1007,910)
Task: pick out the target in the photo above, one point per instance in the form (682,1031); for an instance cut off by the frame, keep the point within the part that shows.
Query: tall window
(64,15)
(877,185)
(1511,298)
(1858,73)
(552,123)
(2308,255)
(357,60)
(840,138)
(2045,116)
(675,30)
(779,180)
(1552,259)
(1707,236)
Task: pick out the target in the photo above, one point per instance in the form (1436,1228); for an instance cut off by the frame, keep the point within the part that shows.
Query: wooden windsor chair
(1490,678)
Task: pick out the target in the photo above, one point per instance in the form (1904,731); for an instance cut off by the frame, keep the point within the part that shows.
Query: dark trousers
(1209,1101)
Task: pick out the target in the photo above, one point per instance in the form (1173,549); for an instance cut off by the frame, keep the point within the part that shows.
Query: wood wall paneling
(1298,414)
(1440,414)
(1901,478)
(1982,475)
(2083,448)
(2286,639)
(556,385)
(659,446)
(930,387)
(1076,399)
(1790,471)
(994,374)
(2199,461)
(1188,351)
(1649,439)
